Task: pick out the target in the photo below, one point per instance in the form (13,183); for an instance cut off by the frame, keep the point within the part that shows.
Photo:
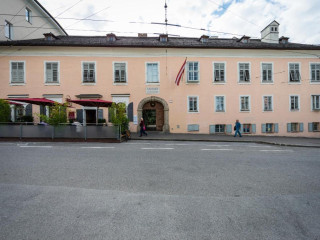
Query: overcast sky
(299,19)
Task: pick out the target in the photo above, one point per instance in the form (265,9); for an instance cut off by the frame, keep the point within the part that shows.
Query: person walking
(142,128)
(237,127)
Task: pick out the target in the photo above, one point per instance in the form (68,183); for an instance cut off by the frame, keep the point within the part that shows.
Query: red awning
(91,102)
(14,103)
(37,101)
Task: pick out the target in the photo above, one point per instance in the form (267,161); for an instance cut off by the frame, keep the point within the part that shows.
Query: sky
(299,20)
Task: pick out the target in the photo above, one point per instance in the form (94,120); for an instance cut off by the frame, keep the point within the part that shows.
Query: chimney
(111,37)
(270,34)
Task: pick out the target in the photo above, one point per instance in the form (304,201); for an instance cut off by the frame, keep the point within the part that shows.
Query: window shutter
(229,128)
(288,127)
(193,127)
(301,127)
(253,128)
(80,115)
(130,112)
(241,128)
(43,110)
(29,110)
(100,113)
(263,128)
(276,127)
(109,115)
(212,128)
(310,127)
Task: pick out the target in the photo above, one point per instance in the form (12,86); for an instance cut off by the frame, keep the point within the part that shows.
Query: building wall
(170,61)
(22,29)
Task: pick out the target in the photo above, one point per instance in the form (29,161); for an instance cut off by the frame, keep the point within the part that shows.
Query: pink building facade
(271,88)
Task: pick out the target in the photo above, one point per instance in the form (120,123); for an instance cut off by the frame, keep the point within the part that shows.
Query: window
(315,72)
(219,100)
(28,15)
(246,128)
(193,72)
(120,73)
(220,128)
(17,72)
(8,28)
(218,72)
(267,103)
(52,72)
(244,103)
(269,128)
(294,72)
(295,127)
(266,72)
(294,103)
(244,72)
(193,104)
(88,72)
(315,102)
(152,73)
(314,127)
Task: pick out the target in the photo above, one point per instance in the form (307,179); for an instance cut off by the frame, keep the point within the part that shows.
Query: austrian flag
(180,73)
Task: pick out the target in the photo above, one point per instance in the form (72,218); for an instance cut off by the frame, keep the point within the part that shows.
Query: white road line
(275,150)
(179,144)
(216,145)
(138,143)
(157,148)
(218,149)
(97,147)
(35,146)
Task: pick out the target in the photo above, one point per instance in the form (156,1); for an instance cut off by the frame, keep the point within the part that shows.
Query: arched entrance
(155,110)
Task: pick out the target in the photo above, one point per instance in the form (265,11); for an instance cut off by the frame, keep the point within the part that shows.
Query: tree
(119,115)
(57,114)
(5,111)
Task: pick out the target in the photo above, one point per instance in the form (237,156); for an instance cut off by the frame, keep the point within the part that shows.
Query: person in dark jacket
(142,128)
(237,128)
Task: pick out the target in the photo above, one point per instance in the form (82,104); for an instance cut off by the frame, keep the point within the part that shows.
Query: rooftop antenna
(166,20)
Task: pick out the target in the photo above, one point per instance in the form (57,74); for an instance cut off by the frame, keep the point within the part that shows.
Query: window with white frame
(152,73)
(315,72)
(220,105)
(244,72)
(267,103)
(294,103)
(28,15)
(120,73)
(52,72)
(193,104)
(315,99)
(88,72)
(8,30)
(193,72)
(219,73)
(220,128)
(294,72)
(17,72)
(244,103)
(266,73)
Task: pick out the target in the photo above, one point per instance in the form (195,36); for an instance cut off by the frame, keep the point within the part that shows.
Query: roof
(52,18)
(153,42)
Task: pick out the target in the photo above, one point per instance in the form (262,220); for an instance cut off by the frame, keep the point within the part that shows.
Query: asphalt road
(158,190)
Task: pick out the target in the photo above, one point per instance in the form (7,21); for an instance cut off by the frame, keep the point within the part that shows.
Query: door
(150,119)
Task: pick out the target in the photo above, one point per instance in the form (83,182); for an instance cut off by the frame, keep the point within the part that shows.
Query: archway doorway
(155,112)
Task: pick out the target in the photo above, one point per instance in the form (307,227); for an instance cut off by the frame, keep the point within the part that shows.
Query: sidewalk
(274,140)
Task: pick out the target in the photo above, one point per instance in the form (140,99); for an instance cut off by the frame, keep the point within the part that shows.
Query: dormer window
(244,39)
(49,36)
(204,39)
(284,40)
(163,38)
(111,37)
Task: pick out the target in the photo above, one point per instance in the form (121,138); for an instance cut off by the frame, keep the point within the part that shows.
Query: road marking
(180,144)
(218,149)
(25,146)
(157,148)
(275,150)
(216,145)
(97,147)
(138,143)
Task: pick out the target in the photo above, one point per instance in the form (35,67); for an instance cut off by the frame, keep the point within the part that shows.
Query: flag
(180,73)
